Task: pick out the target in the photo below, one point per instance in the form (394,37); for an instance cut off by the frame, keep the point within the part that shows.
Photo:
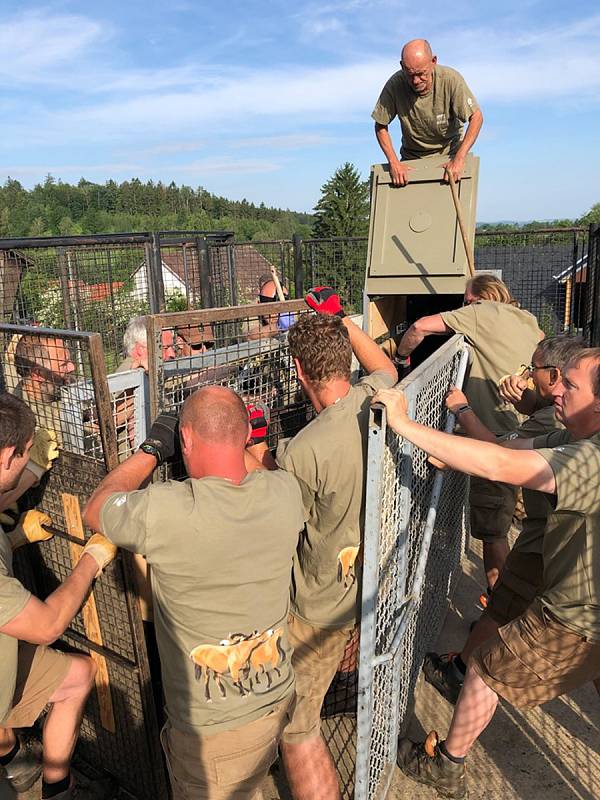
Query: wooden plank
(89,612)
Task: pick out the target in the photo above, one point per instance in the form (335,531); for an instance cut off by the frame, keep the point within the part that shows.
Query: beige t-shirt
(431,124)
(328,457)
(47,415)
(13,599)
(221,558)
(571,553)
(538,505)
(502,337)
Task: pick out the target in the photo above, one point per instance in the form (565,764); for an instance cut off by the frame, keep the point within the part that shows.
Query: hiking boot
(26,767)
(104,789)
(441,673)
(425,763)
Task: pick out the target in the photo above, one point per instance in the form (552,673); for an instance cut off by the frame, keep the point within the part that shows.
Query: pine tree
(343,209)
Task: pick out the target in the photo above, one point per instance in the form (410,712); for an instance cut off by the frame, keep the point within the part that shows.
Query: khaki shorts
(230,765)
(518,583)
(534,659)
(492,507)
(40,672)
(317,654)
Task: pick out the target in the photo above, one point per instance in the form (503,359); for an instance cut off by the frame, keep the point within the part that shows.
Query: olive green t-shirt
(47,415)
(13,599)
(328,457)
(221,557)
(538,505)
(431,124)
(571,589)
(502,337)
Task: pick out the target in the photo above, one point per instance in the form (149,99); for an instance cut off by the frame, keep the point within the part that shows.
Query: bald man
(432,102)
(220,545)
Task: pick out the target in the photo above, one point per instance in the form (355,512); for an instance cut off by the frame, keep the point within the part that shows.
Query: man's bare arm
(457,164)
(370,356)
(127,477)
(26,481)
(398,170)
(419,330)
(483,459)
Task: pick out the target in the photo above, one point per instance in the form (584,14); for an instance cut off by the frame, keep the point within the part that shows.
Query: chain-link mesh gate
(414,539)
(61,375)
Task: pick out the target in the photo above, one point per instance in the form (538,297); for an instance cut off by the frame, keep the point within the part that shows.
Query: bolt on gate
(413,544)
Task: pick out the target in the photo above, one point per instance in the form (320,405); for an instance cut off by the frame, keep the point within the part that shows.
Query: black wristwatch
(152,448)
(462,409)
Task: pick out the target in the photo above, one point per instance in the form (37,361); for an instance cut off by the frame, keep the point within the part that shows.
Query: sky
(264,100)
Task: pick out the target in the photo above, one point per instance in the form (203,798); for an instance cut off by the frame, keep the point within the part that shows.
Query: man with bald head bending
(221,545)
(432,102)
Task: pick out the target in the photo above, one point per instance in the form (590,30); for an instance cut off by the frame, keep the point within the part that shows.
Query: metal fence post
(298,265)
(206,291)
(232,274)
(155,273)
(593,283)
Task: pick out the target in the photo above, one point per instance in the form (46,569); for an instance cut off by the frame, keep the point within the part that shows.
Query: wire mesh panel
(244,347)
(253,262)
(543,269)
(61,375)
(95,286)
(340,263)
(414,538)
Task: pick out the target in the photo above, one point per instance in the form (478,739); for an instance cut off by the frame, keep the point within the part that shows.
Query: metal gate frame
(393,576)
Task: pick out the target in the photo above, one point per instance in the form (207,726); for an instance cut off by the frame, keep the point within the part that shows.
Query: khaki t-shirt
(13,599)
(571,553)
(431,124)
(221,558)
(538,505)
(328,457)
(502,337)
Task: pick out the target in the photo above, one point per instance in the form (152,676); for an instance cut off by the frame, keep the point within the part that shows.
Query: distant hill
(54,208)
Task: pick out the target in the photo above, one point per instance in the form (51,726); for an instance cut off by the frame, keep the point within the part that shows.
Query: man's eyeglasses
(532,367)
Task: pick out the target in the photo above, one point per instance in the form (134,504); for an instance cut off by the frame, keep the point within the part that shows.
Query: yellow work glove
(30,529)
(101,549)
(44,449)
(9,518)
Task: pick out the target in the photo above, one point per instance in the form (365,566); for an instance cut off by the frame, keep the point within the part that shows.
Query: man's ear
(249,434)
(434,60)
(299,370)
(554,376)
(185,435)
(6,456)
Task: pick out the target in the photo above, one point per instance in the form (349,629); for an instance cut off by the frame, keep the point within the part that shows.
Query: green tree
(593,215)
(343,209)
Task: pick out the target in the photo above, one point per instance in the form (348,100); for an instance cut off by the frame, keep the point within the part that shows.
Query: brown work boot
(425,763)
(26,767)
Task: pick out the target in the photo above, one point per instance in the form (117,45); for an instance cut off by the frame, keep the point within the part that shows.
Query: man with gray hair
(432,102)
(135,345)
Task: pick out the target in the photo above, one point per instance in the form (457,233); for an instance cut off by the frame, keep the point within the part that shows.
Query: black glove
(324,300)
(163,438)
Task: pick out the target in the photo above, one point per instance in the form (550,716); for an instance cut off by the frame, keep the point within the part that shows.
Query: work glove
(9,518)
(101,549)
(44,449)
(30,529)
(163,437)
(324,300)
(258,414)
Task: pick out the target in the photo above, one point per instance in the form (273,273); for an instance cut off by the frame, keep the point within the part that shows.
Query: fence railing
(413,543)
(100,282)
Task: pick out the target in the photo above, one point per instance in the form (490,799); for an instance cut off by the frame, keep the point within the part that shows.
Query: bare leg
(494,556)
(7,740)
(486,627)
(475,708)
(62,723)
(310,771)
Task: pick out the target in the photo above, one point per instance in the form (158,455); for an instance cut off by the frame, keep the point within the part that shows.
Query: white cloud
(35,42)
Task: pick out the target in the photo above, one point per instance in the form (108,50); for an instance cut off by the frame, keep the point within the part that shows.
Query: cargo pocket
(549,649)
(248,764)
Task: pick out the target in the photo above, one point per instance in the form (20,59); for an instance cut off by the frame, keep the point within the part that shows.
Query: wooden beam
(91,621)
